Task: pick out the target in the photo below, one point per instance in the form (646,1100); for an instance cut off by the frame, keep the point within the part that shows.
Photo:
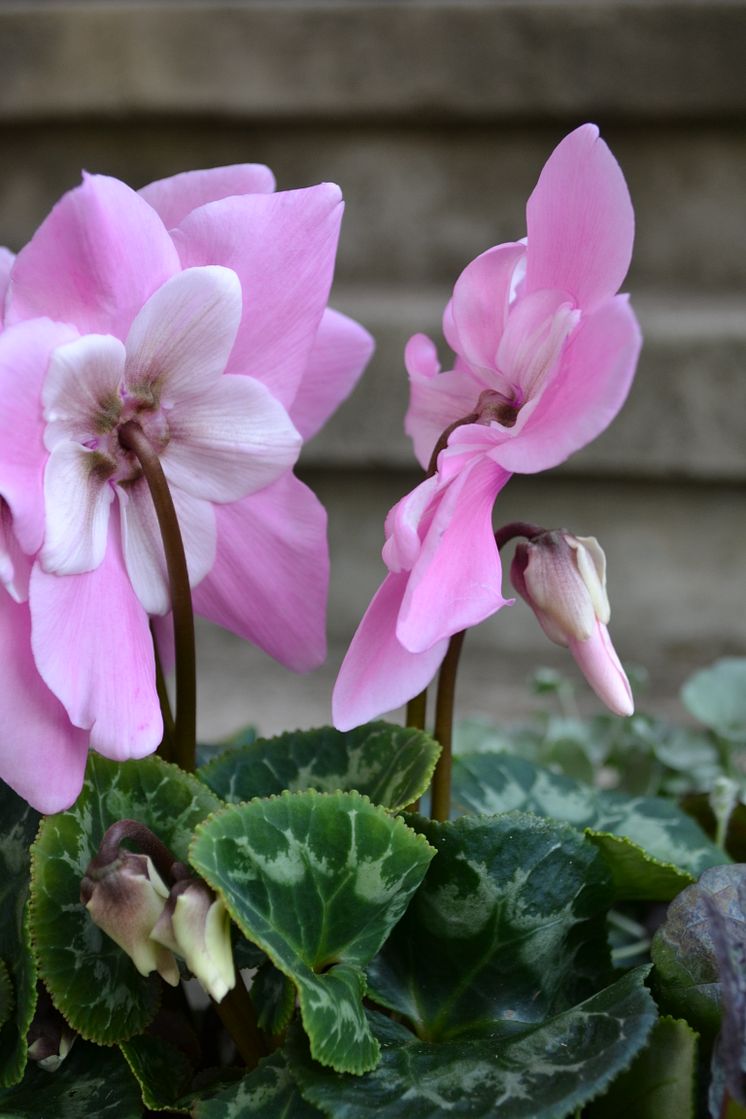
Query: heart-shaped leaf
(660,1083)
(717,697)
(18,826)
(91,980)
(273,995)
(545,1072)
(91,1082)
(507,929)
(653,848)
(390,764)
(162,1071)
(270,1092)
(318,881)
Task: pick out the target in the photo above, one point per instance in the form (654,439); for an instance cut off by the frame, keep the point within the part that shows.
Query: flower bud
(195,924)
(49,1038)
(563,579)
(125,897)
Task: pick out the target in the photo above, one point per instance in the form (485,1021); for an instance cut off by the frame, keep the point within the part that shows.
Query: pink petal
(80,395)
(230,441)
(602,669)
(15,565)
(77,495)
(24,356)
(94,261)
(175,197)
(584,394)
(282,247)
(7,259)
(535,335)
(340,353)
(580,221)
(456,581)
(436,400)
(42,756)
(480,304)
(404,524)
(93,648)
(143,545)
(180,341)
(269,581)
(378,674)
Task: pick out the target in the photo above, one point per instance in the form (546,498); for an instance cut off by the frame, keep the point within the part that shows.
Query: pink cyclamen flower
(545,351)
(197,307)
(563,579)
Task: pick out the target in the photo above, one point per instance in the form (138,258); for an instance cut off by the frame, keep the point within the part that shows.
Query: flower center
(496,406)
(113,461)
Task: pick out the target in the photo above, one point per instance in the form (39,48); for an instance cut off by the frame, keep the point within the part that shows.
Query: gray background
(435,118)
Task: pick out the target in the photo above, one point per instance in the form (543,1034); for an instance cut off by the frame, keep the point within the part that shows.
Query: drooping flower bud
(195,925)
(49,1038)
(125,897)
(563,579)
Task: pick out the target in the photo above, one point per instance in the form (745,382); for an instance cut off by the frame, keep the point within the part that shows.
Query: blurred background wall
(435,118)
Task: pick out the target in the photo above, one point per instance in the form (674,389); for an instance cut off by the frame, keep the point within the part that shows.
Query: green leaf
(273,996)
(270,1092)
(7,998)
(684,952)
(653,848)
(160,1068)
(390,764)
(91,980)
(717,697)
(545,1072)
(508,929)
(19,826)
(317,880)
(209,751)
(660,1083)
(90,1082)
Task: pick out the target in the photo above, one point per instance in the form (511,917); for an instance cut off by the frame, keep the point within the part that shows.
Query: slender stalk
(166,748)
(440,791)
(416,711)
(238,1015)
(133,438)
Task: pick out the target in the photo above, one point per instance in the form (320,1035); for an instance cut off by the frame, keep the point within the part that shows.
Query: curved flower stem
(238,1015)
(133,438)
(440,790)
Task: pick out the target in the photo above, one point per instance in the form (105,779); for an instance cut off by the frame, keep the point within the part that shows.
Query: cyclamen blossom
(198,308)
(545,352)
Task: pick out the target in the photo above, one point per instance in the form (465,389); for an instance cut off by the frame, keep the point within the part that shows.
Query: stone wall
(435,118)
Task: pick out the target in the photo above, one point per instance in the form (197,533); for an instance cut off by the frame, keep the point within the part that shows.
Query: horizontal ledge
(505,60)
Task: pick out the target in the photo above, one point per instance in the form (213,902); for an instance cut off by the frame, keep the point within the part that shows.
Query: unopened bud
(50,1038)
(563,579)
(195,925)
(125,897)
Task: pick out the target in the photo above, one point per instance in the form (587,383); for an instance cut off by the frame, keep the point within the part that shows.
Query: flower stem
(416,711)
(133,438)
(238,1015)
(166,747)
(440,790)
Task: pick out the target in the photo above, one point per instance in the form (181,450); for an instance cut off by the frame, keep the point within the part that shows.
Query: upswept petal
(175,197)
(143,544)
(480,304)
(436,400)
(15,565)
(404,525)
(42,756)
(229,441)
(456,581)
(599,663)
(584,395)
(77,495)
(378,673)
(340,353)
(80,395)
(536,332)
(94,261)
(24,356)
(580,221)
(270,578)
(108,685)
(180,340)
(282,246)
(7,259)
